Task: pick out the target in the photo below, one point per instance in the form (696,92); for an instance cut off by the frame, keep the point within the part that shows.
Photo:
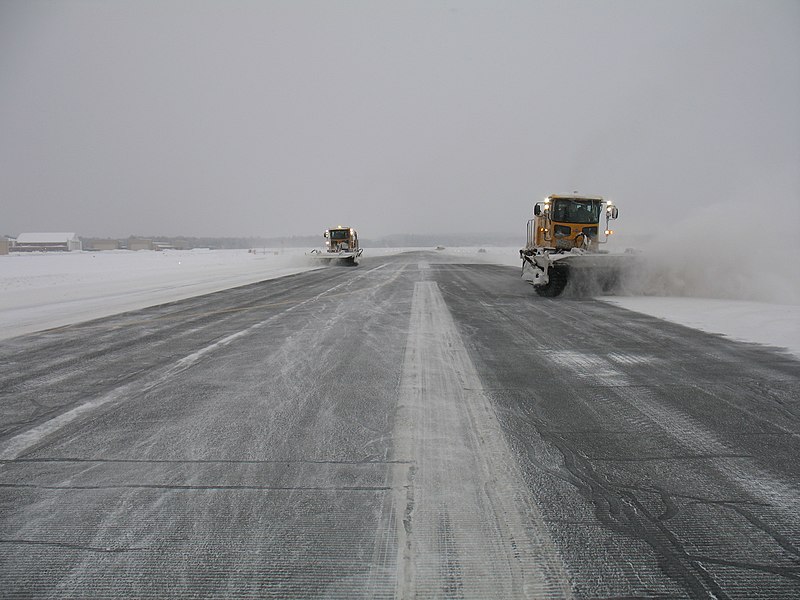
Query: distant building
(47,242)
(163,246)
(5,245)
(139,244)
(100,244)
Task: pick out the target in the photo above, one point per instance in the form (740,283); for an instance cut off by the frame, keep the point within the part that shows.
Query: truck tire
(557,280)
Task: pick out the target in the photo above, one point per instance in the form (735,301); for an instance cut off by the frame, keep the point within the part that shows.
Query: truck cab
(564,222)
(341,239)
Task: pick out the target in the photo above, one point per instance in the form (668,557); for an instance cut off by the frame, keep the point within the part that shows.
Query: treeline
(420,240)
(401,240)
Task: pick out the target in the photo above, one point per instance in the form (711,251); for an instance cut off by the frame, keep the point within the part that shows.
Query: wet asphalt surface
(410,427)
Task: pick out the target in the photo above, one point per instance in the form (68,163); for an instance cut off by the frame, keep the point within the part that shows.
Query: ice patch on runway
(591,366)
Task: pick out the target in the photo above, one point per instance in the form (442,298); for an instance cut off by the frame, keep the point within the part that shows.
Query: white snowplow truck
(565,238)
(341,245)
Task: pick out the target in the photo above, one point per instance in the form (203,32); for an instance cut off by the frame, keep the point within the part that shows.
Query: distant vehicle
(341,245)
(564,243)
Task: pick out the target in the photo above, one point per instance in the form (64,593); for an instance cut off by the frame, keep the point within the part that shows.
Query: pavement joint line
(203,461)
(155,486)
(110,549)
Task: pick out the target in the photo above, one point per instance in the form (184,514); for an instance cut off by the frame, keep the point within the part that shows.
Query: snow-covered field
(41,291)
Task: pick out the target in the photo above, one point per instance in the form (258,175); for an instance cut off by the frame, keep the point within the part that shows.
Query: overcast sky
(266,117)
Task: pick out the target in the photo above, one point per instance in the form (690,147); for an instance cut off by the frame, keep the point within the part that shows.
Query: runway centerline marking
(463,517)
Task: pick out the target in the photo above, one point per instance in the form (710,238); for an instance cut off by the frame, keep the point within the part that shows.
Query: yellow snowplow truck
(565,237)
(341,245)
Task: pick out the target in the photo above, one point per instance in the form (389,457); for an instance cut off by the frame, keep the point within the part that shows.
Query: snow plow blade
(576,274)
(342,257)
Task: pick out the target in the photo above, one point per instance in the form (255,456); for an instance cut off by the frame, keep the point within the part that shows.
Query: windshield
(339,234)
(568,210)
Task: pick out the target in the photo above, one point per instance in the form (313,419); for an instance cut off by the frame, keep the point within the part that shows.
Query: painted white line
(21,442)
(465,522)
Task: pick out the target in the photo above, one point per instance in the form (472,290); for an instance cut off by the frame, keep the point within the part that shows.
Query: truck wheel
(557,281)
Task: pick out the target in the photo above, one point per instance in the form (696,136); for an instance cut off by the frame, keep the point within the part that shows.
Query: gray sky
(238,118)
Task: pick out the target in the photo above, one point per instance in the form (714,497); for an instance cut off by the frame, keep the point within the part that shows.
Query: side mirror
(325,234)
(537,209)
(613,213)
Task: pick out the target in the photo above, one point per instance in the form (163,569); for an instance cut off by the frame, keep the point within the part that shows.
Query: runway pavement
(412,427)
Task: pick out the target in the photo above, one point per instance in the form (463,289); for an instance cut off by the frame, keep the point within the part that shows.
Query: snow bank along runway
(412,427)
